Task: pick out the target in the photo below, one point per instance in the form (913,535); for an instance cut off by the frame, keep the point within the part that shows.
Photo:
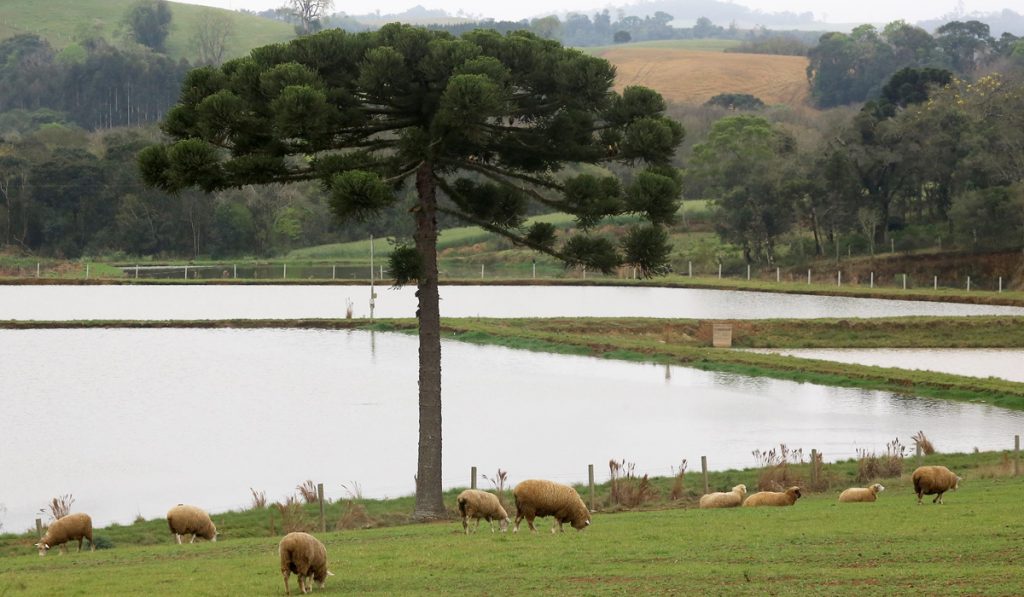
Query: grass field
(58,21)
(684,75)
(969,545)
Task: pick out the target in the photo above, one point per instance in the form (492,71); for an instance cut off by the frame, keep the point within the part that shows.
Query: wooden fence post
(1016,456)
(814,467)
(39,528)
(704,471)
(590,474)
(472,477)
(320,497)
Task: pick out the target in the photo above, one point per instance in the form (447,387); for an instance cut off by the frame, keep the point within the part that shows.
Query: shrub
(871,466)
(776,474)
(628,490)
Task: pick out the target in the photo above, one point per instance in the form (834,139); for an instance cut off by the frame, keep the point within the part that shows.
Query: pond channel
(133,421)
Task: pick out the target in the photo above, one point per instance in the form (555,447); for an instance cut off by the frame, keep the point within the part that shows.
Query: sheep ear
(329,573)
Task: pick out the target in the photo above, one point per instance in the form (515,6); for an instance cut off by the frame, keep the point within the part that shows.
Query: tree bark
(429,502)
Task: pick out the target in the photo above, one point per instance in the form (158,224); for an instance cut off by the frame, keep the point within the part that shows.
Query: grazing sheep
(727,499)
(474,503)
(67,528)
(304,555)
(537,497)
(774,498)
(934,479)
(189,520)
(861,494)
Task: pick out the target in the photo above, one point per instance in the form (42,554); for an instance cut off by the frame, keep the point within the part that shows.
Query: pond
(134,421)
(1005,363)
(63,303)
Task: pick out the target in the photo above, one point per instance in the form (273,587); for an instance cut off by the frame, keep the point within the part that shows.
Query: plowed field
(696,76)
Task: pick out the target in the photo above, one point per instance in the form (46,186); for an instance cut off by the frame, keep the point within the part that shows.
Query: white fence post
(968,283)
(808,277)
(778,275)
(839,278)
(872,279)
(904,281)
(935,284)
(719,270)
(1000,283)
(748,272)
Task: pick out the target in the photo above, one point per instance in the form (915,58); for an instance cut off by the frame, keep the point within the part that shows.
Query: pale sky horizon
(863,11)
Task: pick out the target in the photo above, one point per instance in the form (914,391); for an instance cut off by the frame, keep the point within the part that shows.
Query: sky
(843,11)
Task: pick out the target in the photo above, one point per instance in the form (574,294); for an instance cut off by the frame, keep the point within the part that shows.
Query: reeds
(628,490)
(259,499)
(888,465)
(678,486)
(499,481)
(776,474)
(307,490)
(293,515)
(924,443)
(59,507)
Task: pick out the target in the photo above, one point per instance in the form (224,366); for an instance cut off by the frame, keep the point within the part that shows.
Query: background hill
(59,22)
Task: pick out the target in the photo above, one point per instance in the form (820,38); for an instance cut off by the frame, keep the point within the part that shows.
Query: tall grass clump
(776,473)
(678,485)
(627,489)
(307,490)
(259,499)
(500,483)
(355,515)
(59,507)
(924,443)
(871,466)
(293,515)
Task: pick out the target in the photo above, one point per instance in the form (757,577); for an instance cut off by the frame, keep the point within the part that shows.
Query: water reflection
(159,417)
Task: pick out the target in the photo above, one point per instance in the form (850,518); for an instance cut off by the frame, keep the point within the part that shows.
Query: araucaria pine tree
(480,125)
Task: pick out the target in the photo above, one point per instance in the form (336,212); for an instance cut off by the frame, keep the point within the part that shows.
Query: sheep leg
(465,524)
(178,538)
(193,538)
(519,517)
(491,523)
(286,573)
(938,498)
(529,521)
(80,544)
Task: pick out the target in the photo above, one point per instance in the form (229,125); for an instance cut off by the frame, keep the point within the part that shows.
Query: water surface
(64,303)
(134,421)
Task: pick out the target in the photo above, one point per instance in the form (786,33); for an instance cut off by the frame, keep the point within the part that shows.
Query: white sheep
(861,494)
(190,520)
(930,480)
(67,528)
(474,503)
(537,497)
(306,556)
(724,499)
(774,498)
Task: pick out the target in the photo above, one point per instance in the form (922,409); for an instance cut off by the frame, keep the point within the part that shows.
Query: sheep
(861,494)
(537,497)
(774,498)
(474,503)
(306,556)
(727,499)
(185,520)
(67,528)
(934,479)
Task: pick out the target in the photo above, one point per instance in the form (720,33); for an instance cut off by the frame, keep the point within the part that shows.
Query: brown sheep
(474,503)
(861,494)
(774,498)
(537,497)
(728,499)
(190,520)
(930,480)
(306,556)
(67,528)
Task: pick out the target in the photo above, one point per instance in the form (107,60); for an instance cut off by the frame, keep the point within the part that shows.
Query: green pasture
(969,545)
(692,45)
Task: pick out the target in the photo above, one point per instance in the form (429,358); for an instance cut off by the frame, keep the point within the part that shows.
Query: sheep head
(878,488)
(42,547)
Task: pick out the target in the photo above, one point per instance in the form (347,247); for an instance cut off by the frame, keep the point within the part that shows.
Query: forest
(916,133)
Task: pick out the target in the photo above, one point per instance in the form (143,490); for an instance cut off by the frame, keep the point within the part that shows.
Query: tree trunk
(429,502)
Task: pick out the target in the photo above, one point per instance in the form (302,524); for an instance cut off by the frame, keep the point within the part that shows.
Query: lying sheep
(727,499)
(474,503)
(537,497)
(67,528)
(190,520)
(304,555)
(774,498)
(934,479)
(861,494)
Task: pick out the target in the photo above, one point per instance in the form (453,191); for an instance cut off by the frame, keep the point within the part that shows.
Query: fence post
(334,272)
(186,272)
(86,271)
(472,477)
(872,279)
(814,467)
(704,471)
(968,283)
(1000,283)
(320,498)
(590,475)
(39,528)
(748,272)
(38,266)
(778,275)
(808,277)
(234,270)
(719,270)
(481,271)
(689,268)
(1016,456)
(136,271)
(935,283)
(284,272)
(904,281)
(839,278)
(535,270)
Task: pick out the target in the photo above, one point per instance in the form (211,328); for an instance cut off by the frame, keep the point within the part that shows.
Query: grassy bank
(967,546)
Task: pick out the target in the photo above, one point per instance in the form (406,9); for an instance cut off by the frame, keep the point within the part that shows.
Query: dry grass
(307,489)
(694,77)
(500,484)
(59,507)
(924,443)
(678,487)
(259,499)
(293,516)
(776,473)
(886,466)
(628,490)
